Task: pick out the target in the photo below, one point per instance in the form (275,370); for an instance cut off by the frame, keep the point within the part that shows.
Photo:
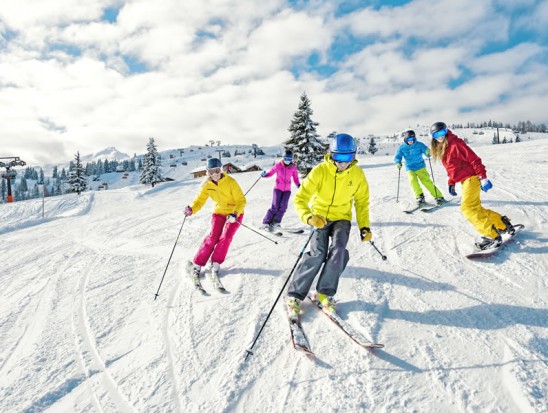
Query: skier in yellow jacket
(324,201)
(228,213)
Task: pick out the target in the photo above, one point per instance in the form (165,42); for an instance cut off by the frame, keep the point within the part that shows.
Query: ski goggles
(439,134)
(343,157)
(288,159)
(214,171)
(410,139)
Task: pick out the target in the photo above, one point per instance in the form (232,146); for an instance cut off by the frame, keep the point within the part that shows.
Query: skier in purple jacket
(285,170)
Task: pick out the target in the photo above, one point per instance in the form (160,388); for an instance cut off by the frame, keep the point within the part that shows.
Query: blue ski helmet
(342,148)
(409,136)
(214,163)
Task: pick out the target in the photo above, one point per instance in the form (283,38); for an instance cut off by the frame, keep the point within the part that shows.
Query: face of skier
(341,166)
(214,173)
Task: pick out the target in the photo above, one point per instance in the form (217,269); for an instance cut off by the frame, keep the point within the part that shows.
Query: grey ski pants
(333,257)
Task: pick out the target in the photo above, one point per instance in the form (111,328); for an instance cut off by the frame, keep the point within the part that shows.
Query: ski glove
(365,234)
(398,165)
(485,184)
(452,191)
(428,153)
(263,174)
(231,218)
(188,211)
(317,221)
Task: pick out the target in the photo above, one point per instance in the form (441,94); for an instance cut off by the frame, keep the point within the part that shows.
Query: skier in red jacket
(464,166)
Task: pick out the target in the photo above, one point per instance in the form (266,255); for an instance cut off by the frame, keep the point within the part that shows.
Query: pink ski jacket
(284,174)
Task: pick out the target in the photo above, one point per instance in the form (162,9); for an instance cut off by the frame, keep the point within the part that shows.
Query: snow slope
(80,330)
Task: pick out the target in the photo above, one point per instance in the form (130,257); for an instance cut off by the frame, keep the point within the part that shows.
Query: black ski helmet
(436,127)
(214,163)
(288,154)
(409,136)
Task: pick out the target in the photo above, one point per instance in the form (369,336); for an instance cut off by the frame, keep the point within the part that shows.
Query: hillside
(81,331)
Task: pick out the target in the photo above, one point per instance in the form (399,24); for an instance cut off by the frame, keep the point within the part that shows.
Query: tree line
(521,126)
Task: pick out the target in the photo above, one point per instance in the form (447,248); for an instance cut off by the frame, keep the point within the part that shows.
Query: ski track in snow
(80,329)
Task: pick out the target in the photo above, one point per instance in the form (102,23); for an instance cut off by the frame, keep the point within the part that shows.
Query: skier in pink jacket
(285,170)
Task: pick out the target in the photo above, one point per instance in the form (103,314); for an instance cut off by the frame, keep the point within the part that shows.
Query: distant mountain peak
(110,153)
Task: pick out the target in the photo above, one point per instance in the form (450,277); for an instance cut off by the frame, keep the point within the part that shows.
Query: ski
(298,337)
(293,230)
(430,209)
(217,283)
(195,279)
(421,205)
(266,231)
(198,286)
(353,334)
(487,253)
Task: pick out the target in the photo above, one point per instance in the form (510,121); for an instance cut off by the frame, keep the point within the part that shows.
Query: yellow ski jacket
(330,193)
(226,194)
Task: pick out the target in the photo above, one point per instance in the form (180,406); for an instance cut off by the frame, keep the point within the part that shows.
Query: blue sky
(84,75)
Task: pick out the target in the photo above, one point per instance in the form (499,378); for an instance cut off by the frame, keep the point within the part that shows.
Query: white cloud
(223,70)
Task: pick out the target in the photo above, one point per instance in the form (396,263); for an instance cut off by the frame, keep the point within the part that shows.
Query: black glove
(452,191)
(231,218)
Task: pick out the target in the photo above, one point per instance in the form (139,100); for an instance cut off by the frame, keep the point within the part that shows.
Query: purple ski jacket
(284,173)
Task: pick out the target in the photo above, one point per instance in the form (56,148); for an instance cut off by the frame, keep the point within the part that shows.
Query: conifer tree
(305,141)
(77,177)
(372,146)
(23,187)
(151,165)
(3,189)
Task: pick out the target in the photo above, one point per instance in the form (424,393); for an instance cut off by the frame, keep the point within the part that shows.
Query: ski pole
(398,194)
(248,351)
(168,261)
(433,181)
(253,185)
(257,232)
(380,253)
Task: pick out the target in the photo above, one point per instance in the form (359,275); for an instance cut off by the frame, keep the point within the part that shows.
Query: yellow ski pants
(481,218)
(424,177)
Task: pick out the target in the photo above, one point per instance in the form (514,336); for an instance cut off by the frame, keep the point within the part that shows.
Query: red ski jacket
(460,161)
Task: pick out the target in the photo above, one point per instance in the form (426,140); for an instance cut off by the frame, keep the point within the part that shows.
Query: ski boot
(420,200)
(327,302)
(440,201)
(509,227)
(487,243)
(293,308)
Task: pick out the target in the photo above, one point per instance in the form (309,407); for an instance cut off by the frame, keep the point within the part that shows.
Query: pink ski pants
(217,242)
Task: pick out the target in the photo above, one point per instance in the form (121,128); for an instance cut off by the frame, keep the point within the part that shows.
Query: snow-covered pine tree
(151,165)
(372,146)
(305,142)
(23,187)
(77,179)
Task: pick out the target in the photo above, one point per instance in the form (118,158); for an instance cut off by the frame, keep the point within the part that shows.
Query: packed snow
(80,330)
